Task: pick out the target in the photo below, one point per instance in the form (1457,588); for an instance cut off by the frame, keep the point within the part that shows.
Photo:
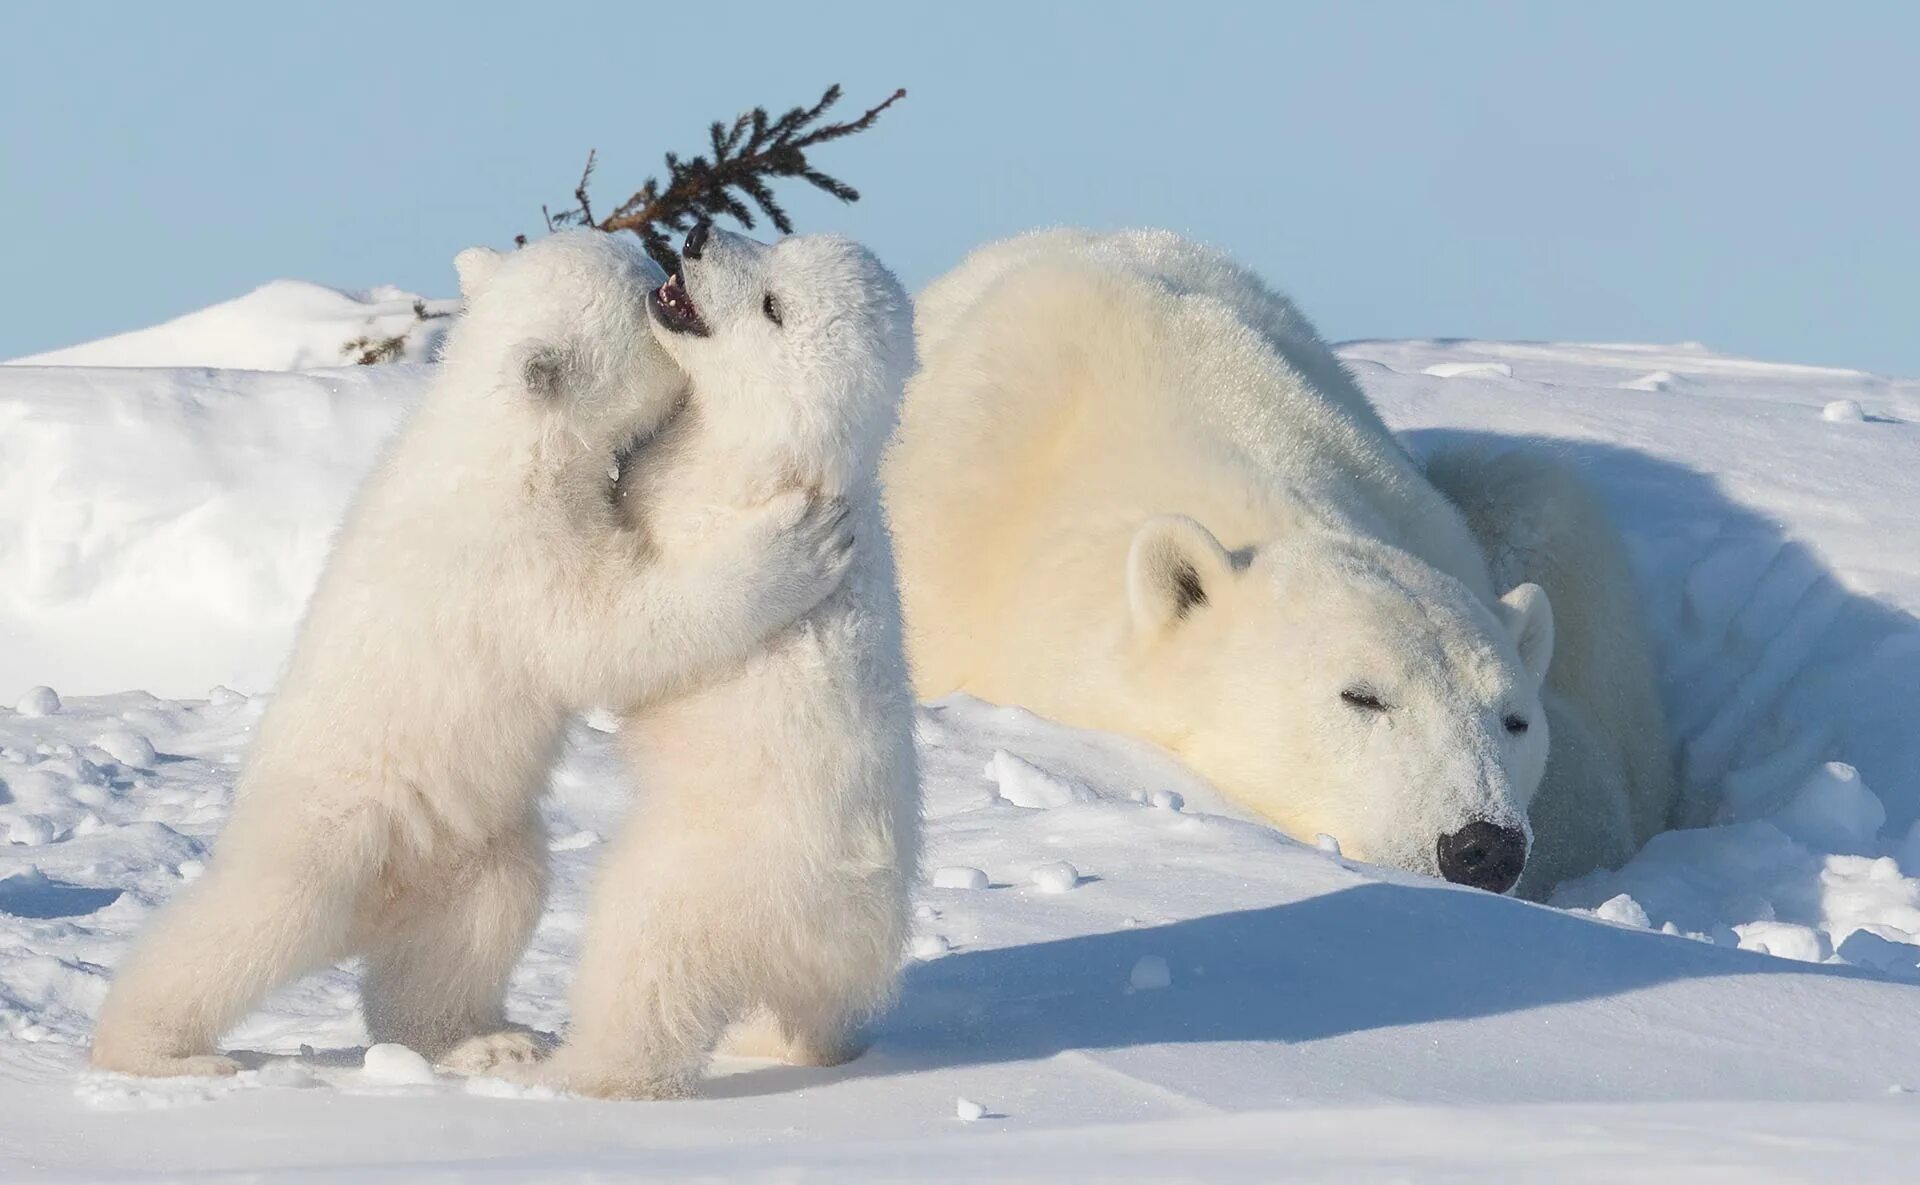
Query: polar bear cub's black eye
(771,308)
(1360,697)
(1517,725)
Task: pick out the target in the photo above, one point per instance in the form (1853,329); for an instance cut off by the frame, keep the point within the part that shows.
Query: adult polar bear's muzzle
(1484,855)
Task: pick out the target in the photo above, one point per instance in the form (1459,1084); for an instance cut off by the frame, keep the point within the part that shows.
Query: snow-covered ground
(1144,988)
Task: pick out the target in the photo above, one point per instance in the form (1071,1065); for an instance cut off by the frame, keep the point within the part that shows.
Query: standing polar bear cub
(764,874)
(1135,491)
(481,590)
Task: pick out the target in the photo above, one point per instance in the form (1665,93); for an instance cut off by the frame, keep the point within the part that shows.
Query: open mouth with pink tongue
(672,306)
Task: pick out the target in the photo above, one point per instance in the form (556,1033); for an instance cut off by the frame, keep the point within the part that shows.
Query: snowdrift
(162,529)
(282,325)
(1125,979)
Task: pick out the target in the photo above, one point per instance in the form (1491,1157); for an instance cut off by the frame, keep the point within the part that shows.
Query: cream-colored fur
(764,874)
(481,590)
(1134,490)
(1610,782)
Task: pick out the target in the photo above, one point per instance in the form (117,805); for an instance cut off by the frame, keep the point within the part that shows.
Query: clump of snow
(1833,811)
(1025,784)
(1844,411)
(1150,973)
(38,701)
(930,946)
(1785,940)
(1622,910)
(1055,877)
(127,748)
(1327,844)
(396,1065)
(955,876)
(1885,949)
(1167,800)
(967,1110)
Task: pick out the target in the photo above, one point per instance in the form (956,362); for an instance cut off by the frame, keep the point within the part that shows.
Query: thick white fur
(1105,424)
(767,864)
(481,589)
(1610,784)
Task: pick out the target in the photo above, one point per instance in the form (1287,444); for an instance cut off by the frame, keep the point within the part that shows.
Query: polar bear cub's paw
(202,1065)
(803,546)
(489,1053)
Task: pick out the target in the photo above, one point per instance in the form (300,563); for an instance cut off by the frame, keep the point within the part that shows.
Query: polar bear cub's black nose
(696,241)
(1484,855)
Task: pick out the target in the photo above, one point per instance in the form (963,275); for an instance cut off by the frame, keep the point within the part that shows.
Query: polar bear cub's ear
(546,369)
(1173,569)
(1529,614)
(475,266)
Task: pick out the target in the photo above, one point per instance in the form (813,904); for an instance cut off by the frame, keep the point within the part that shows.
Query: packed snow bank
(162,529)
(282,325)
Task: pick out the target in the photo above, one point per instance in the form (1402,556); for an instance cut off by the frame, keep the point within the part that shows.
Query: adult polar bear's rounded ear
(1529,614)
(475,266)
(1173,569)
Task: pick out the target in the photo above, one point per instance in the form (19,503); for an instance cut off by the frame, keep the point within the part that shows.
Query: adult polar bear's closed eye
(764,874)
(1135,491)
(481,590)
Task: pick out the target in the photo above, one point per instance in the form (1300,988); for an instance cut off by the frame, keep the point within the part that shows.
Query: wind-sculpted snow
(1113,974)
(161,529)
(281,325)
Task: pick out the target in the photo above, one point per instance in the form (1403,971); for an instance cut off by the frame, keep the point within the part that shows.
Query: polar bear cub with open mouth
(764,875)
(482,589)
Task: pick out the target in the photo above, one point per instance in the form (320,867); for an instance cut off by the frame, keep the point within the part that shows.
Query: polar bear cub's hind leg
(440,955)
(244,928)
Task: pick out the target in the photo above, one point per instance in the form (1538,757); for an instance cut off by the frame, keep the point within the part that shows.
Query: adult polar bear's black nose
(1484,855)
(696,241)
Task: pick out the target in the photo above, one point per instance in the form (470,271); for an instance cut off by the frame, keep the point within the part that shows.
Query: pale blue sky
(1747,175)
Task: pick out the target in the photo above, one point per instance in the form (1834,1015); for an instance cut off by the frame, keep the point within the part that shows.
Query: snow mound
(282,325)
(163,529)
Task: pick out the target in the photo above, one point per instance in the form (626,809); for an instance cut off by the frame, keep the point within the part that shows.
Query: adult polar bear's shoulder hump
(1177,381)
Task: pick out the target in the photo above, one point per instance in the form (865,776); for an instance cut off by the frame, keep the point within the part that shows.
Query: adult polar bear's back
(1173,381)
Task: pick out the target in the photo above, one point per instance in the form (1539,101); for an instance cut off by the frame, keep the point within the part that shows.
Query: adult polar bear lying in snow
(483,588)
(1132,489)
